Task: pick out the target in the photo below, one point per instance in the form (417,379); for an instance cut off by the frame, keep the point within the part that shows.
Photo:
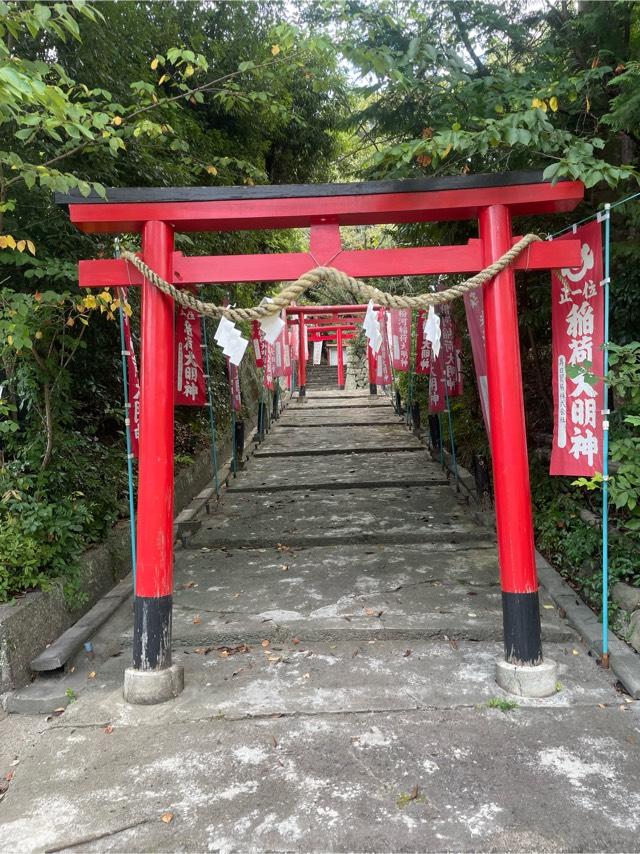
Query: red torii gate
(492,200)
(340,319)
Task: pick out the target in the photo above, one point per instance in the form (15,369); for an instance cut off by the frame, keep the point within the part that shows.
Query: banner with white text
(577,320)
(190,380)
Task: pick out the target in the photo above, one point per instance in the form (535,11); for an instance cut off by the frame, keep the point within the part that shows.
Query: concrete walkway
(338,618)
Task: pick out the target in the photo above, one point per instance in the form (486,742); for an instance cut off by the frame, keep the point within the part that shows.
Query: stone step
(391,515)
(340,471)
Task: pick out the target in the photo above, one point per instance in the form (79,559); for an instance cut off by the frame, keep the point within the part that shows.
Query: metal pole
(452,440)
(605,443)
(212,414)
(127,425)
(234,462)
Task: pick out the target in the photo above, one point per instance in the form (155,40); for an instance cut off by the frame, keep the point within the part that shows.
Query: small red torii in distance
(490,200)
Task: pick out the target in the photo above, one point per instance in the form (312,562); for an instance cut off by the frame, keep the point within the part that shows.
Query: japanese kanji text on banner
(190,380)
(578,335)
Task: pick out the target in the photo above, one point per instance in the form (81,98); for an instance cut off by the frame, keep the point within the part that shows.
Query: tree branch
(462,32)
(159,103)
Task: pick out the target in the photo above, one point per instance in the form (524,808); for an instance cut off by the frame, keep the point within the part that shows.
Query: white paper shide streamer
(371,326)
(271,326)
(230,339)
(432,331)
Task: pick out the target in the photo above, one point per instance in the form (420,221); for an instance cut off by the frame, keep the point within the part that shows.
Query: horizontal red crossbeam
(333,327)
(302,212)
(329,336)
(326,309)
(426,260)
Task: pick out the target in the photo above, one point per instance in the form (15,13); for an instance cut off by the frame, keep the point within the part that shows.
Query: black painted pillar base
(521,621)
(373,388)
(261,420)
(275,411)
(239,443)
(152,632)
(434,432)
(341,387)
(302,391)
(415,416)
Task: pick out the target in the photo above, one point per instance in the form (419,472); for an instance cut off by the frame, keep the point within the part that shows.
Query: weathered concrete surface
(537,780)
(398,514)
(365,415)
(344,659)
(339,470)
(332,439)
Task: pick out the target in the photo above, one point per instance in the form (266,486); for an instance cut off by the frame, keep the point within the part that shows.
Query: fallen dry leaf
(295,640)
(265,642)
(406,653)
(226,651)
(284,567)
(91,675)
(55,714)
(108,729)
(306,676)
(274,741)
(373,612)
(197,619)
(203,650)
(188,585)
(167,817)
(285,549)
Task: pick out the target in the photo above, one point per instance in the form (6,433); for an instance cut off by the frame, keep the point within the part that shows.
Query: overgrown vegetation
(112,94)
(163,94)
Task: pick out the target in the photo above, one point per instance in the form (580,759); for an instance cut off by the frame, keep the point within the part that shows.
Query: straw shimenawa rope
(292,292)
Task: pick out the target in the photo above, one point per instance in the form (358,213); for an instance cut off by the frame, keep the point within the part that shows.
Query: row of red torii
(157,214)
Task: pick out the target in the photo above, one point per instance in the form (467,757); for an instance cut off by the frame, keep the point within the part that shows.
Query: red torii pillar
(491,199)
(340,349)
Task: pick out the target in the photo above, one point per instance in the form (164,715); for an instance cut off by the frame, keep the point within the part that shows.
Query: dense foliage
(179,93)
(122,94)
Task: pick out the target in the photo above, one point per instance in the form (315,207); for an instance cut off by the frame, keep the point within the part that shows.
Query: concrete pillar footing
(148,687)
(538,680)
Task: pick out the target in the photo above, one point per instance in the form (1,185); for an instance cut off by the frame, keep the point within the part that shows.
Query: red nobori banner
(256,338)
(400,338)
(294,342)
(577,320)
(437,385)
(282,354)
(423,346)
(268,362)
(133,378)
(190,381)
(383,363)
(234,386)
(474,307)
(448,352)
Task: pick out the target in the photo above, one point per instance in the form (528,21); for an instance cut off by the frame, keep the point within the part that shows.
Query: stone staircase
(322,377)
